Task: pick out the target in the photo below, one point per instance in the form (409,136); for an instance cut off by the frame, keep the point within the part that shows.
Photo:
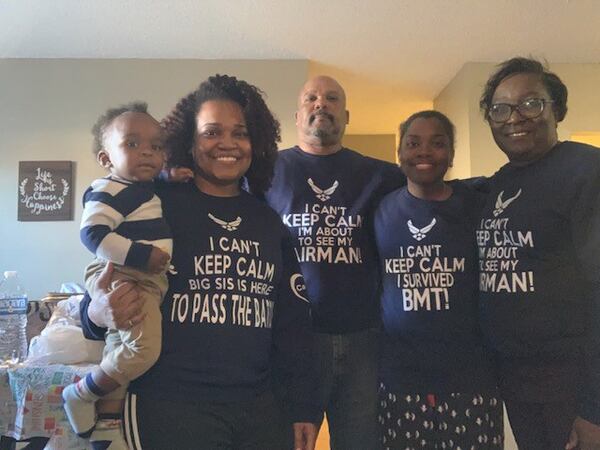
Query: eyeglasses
(528,109)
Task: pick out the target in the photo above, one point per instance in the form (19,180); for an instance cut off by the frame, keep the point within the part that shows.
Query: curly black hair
(447,124)
(107,118)
(555,87)
(263,128)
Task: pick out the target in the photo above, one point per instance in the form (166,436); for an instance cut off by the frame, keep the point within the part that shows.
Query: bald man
(325,194)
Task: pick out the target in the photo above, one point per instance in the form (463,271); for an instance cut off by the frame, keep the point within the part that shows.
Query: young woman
(234,312)
(437,389)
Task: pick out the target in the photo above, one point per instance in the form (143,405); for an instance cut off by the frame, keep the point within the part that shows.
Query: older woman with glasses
(539,250)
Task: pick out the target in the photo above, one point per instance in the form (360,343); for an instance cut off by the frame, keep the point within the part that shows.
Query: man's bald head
(322,82)
(322,116)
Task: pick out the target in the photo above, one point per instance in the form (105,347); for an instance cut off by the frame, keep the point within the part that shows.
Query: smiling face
(426,153)
(133,147)
(222,150)
(524,140)
(322,116)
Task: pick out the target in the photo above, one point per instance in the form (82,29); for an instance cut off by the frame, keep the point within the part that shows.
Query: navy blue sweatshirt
(428,260)
(325,202)
(539,249)
(236,307)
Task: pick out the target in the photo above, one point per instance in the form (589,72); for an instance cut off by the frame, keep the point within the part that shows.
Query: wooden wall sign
(45,191)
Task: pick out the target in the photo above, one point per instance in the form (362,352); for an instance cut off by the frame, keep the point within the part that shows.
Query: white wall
(448,102)
(47,108)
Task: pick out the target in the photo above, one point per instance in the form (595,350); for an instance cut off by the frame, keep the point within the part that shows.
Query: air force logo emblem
(502,205)
(229,226)
(323,194)
(420,233)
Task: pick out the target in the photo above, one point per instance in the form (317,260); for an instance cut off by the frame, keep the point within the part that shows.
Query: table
(31,407)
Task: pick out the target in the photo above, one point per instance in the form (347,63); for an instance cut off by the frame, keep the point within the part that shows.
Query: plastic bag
(66,312)
(62,341)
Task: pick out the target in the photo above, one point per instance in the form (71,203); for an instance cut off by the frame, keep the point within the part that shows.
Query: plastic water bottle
(13,319)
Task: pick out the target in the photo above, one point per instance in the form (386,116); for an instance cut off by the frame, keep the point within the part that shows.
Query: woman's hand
(180,174)
(584,435)
(305,436)
(117,306)
(158,261)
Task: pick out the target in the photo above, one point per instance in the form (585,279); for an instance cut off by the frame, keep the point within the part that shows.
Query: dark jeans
(541,426)
(347,365)
(158,424)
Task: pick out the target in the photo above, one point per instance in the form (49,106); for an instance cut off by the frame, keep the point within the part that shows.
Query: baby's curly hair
(107,118)
(263,128)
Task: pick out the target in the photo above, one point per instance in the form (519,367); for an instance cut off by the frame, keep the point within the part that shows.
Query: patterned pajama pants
(456,421)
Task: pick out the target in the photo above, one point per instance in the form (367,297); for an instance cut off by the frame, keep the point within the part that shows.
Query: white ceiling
(413,47)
